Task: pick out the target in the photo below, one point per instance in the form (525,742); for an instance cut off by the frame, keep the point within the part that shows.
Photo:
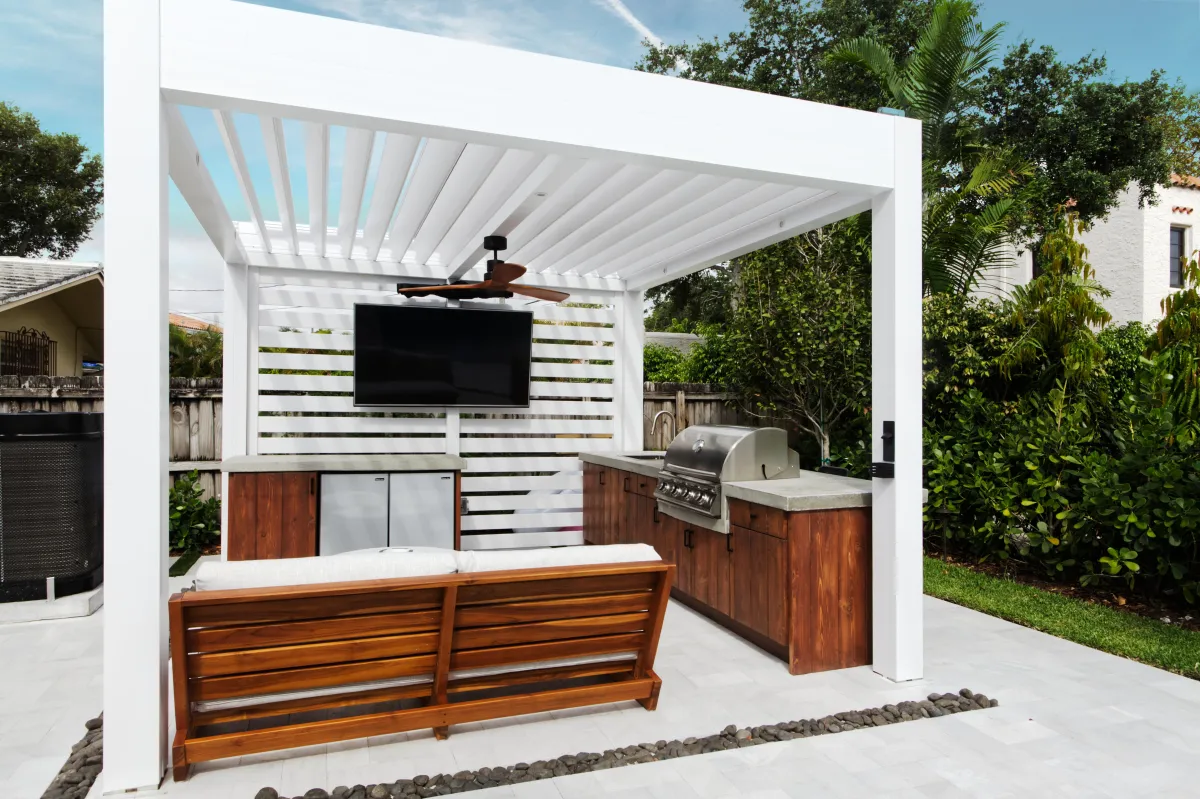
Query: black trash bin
(51,503)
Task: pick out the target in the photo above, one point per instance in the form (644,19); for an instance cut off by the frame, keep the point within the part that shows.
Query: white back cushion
(506,559)
(374,564)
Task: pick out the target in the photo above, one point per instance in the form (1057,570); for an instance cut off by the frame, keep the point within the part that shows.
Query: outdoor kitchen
(778,555)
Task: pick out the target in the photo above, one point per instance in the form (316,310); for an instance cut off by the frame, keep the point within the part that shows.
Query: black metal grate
(51,508)
(27,352)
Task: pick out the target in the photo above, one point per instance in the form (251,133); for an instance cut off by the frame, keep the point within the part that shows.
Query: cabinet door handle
(753,516)
(688,538)
(602,473)
(729,542)
(656,514)
(312,486)
(626,486)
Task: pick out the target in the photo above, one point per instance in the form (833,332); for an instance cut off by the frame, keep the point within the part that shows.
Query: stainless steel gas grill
(703,457)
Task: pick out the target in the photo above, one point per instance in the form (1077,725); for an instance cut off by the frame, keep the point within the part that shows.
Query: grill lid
(728,452)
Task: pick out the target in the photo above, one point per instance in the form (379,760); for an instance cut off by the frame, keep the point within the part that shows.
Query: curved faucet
(674,422)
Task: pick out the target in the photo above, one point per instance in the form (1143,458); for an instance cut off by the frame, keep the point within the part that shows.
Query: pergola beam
(394,167)
(241,171)
(194,182)
(316,162)
(272,129)
(356,161)
(435,162)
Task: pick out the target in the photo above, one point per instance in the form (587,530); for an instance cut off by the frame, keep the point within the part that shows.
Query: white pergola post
(627,385)
(135,394)
(897,637)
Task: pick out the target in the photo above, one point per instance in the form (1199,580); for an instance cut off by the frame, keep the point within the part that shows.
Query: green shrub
(662,364)
(1124,347)
(193,521)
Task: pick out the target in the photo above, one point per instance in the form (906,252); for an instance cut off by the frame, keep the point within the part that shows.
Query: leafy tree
(1057,312)
(701,298)
(782,50)
(972,198)
(195,353)
(1176,346)
(50,189)
(799,339)
(1088,138)
(1181,126)
(663,364)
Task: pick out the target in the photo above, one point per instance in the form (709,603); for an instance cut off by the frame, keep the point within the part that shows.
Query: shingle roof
(190,322)
(21,278)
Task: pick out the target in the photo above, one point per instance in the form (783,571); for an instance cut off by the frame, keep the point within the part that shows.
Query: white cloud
(507,23)
(629,18)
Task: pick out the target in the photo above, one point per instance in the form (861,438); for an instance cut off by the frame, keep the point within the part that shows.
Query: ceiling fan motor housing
(495,243)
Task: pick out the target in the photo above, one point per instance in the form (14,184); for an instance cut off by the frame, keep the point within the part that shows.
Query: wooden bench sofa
(261,669)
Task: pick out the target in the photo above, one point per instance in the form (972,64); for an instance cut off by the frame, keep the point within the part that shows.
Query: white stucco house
(1135,251)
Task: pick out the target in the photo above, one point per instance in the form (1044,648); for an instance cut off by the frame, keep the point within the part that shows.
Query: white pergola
(605,181)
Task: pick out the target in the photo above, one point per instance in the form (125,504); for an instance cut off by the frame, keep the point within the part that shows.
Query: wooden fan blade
(539,293)
(421,291)
(506,272)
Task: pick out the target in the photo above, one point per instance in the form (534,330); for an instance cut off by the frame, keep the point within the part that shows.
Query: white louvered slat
(523,540)
(518,465)
(323,383)
(394,166)
(725,199)
(566,313)
(581,182)
(620,184)
(241,171)
(314,403)
(502,521)
(537,426)
(567,480)
(302,340)
(288,317)
(558,332)
(316,159)
(349,446)
(348,424)
(434,164)
(472,169)
(272,129)
(572,370)
(510,171)
(543,501)
(356,161)
(296,361)
(512,446)
(659,195)
(545,389)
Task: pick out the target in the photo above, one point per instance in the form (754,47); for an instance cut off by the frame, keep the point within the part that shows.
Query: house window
(1176,257)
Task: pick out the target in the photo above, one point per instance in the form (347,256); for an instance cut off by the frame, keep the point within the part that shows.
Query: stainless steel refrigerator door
(354,512)
(422,509)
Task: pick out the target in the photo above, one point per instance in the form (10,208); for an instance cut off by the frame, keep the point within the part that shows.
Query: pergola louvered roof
(601,178)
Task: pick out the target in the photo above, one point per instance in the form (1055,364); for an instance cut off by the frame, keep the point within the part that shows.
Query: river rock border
(75,778)
(732,737)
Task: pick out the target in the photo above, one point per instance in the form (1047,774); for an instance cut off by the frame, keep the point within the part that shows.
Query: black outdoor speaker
(51,503)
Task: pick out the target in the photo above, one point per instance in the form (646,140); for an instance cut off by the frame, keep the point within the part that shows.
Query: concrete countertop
(646,464)
(342,463)
(809,491)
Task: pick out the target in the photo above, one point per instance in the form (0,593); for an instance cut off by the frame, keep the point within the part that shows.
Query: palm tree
(195,353)
(973,194)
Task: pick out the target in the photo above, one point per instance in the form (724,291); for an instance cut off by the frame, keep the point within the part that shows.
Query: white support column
(251,393)
(135,367)
(235,377)
(897,627)
(627,388)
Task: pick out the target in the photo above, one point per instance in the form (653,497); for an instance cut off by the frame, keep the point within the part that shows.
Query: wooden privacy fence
(195,429)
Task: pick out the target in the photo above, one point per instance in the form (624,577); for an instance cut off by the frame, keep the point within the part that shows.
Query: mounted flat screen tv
(422,355)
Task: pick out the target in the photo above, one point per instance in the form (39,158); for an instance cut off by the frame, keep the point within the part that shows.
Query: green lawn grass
(1125,634)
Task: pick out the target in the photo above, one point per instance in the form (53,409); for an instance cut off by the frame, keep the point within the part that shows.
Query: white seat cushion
(380,564)
(507,559)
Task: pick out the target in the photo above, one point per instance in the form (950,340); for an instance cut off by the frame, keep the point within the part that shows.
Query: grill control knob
(692,495)
(706,498)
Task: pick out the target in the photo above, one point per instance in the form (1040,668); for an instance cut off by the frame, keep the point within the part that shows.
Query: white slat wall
(523,478)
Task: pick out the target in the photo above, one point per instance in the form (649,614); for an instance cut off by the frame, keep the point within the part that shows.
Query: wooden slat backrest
(257,642)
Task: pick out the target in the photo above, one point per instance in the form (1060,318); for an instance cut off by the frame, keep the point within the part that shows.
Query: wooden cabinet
(797,584)
(272,515)
(759,575)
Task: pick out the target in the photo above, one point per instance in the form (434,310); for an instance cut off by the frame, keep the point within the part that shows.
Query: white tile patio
(1072,722)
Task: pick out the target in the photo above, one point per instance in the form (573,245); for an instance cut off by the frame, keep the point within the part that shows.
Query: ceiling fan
(497,281)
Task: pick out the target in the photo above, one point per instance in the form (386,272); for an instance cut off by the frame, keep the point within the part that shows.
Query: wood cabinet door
(710,568)
(299,515)
(759,582)
(680,537)
(591,488)
(610,488)
(662,536)
(241,539)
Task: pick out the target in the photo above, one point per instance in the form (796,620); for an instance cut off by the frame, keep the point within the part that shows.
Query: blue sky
(52,50)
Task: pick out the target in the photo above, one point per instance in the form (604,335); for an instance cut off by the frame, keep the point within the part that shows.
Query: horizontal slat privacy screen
(522,480)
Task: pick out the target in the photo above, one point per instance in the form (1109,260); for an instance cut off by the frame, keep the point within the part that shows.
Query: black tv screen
(433,355)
